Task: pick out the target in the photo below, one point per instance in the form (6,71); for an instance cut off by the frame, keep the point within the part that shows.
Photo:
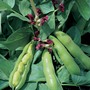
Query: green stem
(35,12)
(34,8)
(70,85)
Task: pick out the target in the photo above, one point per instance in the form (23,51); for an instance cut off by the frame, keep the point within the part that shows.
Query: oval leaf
(4,6)
(11,3)
(18,38)
(83,8)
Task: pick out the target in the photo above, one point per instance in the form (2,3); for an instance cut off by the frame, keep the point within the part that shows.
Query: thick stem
(34,8)
(35,12)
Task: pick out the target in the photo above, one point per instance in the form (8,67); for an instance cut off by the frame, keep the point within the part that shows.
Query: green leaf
(10,3)
(86,48)
(48,27)
(16,24)
(19,38)
(29,86)
(5,68)
(75,13)
(0,25)
(78,80)
(3,76)
(43,87)
(45,31)
(87,77)
(4,6)
(36,73)
(88,2)
(87,30)
(37,55)
(75,34)
(81,23)
(63,75)
(26,10)
(51,21)
(83,8)
(81,80)
(46,7)
(15,14)
(62,17)
(3,84)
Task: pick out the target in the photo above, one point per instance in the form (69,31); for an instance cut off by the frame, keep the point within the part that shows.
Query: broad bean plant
(44,44)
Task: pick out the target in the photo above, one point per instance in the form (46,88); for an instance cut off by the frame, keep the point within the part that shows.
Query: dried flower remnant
(31,18)
(37,21)
(50,50)
(44,19)
(45,44)
(36,39)
(40,45)
(61,7)
(36,33)
(54,2)
(48,41)
(38,11)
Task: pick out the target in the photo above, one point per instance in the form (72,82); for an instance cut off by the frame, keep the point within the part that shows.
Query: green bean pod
(66,58)
(18,75)
(49,72)
(16,65)
(74,49)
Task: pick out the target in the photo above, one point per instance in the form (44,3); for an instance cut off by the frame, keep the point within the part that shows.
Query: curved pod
(74,49)
(18,77)
(66,58)
(52,81)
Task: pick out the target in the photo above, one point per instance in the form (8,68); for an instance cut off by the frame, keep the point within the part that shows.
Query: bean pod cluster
(66,58)
(63,48)
(22,66)
(66,49)
(74,49)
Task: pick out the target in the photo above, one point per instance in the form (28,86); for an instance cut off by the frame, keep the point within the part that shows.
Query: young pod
(27,66)
(49,72)
(66,58)
(74,49)
(22,68)
(17,63)
(15,69)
